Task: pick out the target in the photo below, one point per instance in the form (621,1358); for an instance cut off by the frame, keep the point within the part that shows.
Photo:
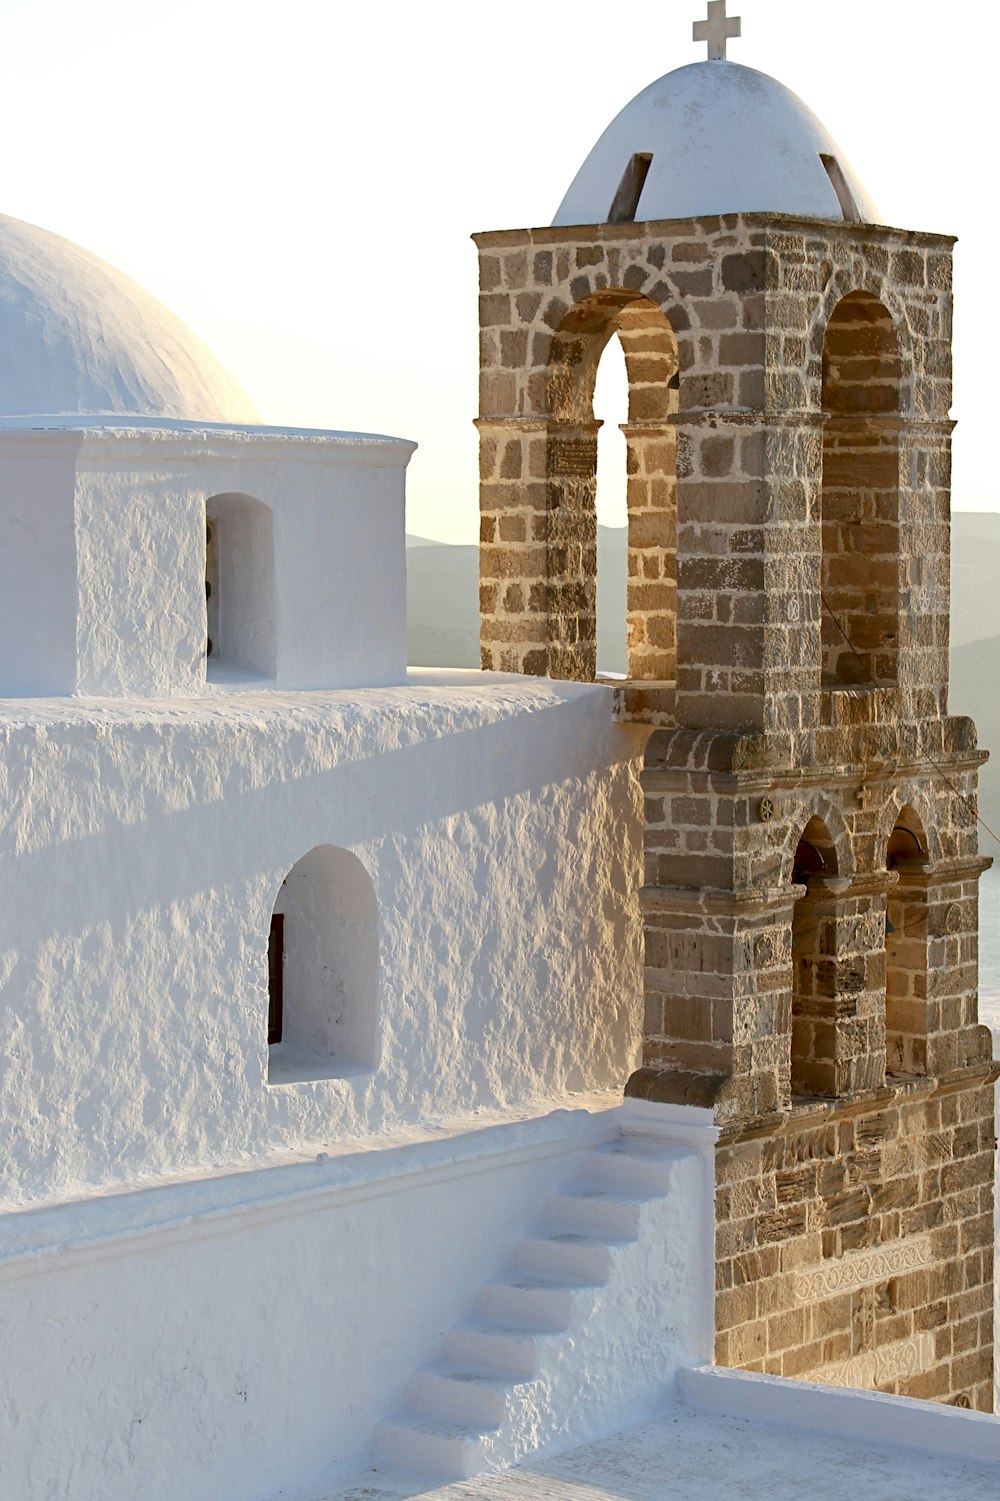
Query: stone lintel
(745,763)
(815,1112)
(514,424)
(728,417)
(684,900)
(582,234)
(922,875)
(658,427)
(843,888)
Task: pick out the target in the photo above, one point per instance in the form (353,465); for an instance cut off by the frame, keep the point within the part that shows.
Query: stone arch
(860,540)
(814,957)
(323,969)
(860,282)
(241,632)
(910,806)
(652,363)
(828,828)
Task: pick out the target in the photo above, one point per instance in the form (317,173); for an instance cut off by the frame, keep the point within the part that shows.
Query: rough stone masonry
(811,858)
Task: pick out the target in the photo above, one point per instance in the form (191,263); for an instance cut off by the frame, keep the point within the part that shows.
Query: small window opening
(239,587)
(275,977)
(846,199)
(211,585)
(323,970)
(626,200)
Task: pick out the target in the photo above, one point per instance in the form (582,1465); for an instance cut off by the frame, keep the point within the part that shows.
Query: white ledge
(873,1416)
(57,1237)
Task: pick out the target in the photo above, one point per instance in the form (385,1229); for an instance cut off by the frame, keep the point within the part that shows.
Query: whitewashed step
(455,1450)
(569,1254)
(511,1352)
(632,1168)
(597,1211)
(533,1302)
(460,1395)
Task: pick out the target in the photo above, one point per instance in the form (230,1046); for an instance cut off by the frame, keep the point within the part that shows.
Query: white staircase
(592,1318)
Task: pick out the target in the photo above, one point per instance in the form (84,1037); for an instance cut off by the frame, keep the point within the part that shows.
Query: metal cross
(717,30)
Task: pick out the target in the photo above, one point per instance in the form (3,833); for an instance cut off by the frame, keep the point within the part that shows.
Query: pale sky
(298,182)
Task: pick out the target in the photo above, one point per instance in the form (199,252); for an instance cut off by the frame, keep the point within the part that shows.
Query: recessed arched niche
(860,581)
(323,969)
(814,952)
(240,637)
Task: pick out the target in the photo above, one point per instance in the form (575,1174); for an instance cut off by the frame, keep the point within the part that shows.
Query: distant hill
(975,690)
(442,602)
(443,616)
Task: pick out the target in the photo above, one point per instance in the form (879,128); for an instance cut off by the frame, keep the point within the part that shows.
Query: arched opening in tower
(860,519)
(652,367)
(814,966)
(611,410)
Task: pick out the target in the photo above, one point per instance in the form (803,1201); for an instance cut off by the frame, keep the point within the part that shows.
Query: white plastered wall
(104,557)
(140,856)
(242,1338)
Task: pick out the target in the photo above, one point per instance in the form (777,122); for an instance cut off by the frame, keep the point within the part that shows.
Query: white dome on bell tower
(715,137)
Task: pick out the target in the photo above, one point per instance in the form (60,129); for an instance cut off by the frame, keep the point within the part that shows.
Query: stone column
(748,553)
(652,550)
(932,960)
(513,554)
(717,1000)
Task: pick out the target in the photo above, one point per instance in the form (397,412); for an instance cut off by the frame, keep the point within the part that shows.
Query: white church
(321,978)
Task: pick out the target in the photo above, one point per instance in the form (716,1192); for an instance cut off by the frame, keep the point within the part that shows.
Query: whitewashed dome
(723,139)
(77,338)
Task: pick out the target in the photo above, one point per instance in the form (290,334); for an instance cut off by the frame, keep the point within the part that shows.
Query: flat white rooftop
(692,1454)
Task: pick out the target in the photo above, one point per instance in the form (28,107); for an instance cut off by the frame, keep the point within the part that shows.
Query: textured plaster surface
(103,556)
(141,852)
(257,1353)
(77,336)
(685,1455)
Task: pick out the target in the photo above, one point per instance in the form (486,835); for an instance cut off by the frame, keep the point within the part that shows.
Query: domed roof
(715,138)
(77,338)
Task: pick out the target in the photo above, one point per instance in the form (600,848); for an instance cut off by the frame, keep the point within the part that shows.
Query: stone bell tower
(811,882)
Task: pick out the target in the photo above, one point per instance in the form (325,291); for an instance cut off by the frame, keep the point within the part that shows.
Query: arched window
(814,960)
(860,521)
(611,407)
(239,587)
(652,368)
(323,966)
(906,949)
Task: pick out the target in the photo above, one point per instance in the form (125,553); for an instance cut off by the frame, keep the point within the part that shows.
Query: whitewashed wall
(241,1338)
(102,555)
(142,848)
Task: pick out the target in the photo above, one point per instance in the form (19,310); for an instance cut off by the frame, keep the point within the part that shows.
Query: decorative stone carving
(767,809)
(873,1368)
(764,950)
(863,1268)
